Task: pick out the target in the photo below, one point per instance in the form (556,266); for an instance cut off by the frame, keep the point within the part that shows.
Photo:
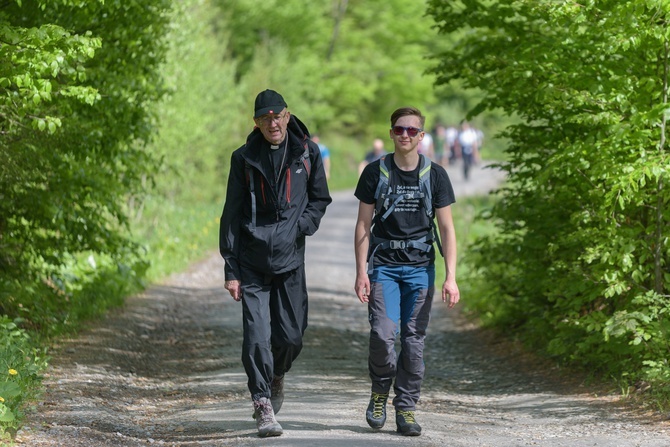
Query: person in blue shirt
(325,154)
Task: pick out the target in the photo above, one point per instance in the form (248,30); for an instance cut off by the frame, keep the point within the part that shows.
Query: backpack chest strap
(424,243)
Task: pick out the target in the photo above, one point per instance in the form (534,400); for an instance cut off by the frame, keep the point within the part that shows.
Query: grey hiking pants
(274,316)
(400,301)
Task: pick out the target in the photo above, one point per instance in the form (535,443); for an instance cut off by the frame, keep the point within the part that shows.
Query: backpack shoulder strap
(306,160)
(426,189)
(383,184)
(424,185)
(250,178)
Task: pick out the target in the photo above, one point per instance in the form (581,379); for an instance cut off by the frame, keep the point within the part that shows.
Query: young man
(395,270)
(277,194)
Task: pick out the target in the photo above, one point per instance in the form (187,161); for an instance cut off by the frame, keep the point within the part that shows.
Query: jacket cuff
(304,227)
(231,270)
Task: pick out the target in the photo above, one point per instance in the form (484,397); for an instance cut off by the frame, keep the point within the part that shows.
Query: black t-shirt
(408,220)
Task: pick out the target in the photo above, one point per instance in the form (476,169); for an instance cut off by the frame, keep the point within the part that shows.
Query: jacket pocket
(272,248)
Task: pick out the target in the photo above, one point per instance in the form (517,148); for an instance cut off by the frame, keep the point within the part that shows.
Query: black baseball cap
(268,101)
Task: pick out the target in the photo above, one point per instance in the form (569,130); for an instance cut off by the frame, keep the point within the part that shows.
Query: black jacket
(285,213)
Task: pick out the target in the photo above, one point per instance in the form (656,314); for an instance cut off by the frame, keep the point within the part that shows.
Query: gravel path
(165,370)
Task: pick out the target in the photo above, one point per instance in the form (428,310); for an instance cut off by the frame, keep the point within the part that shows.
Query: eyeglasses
(269,119)
(411,131)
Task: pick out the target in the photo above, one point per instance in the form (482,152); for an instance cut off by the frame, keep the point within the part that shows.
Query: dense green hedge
(77,84)
(579,266)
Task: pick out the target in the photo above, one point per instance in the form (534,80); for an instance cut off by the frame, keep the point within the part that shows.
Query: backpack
(386,201)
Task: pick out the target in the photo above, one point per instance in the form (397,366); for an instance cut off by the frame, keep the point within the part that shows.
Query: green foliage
(470,227)
(344,65)
(579,263)
(76,87)
(346,153)
(203,117)
(83,288)
(21,364)
(174,235)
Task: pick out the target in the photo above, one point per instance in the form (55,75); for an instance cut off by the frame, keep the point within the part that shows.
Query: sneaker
(277,391)
(376,413)
(265,418)
(406,423)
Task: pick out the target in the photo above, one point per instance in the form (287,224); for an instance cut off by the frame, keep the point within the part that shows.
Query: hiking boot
(277,391)
(376,413)
(406,423)
(265,418)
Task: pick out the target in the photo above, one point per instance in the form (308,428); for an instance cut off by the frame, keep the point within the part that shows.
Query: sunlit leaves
(78,80)
(365,58)
(588,167)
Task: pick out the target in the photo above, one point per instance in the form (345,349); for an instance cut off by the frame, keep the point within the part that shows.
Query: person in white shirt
(468,141)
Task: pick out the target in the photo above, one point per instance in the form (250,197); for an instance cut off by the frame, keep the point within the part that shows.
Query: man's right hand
(362,287)
(235,289)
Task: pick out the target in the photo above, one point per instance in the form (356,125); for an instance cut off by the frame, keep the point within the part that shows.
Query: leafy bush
(579,265)
(20,366)
(84,288)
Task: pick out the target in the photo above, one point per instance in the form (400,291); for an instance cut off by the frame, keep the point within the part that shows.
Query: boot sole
(374,424)
(271,433)
(409,432)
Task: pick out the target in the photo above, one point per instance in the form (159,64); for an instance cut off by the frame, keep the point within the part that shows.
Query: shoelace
(264,412)
(267,418)
(379,401)
(408,416)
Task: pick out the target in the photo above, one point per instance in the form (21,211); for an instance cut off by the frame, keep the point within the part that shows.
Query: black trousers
(274,314)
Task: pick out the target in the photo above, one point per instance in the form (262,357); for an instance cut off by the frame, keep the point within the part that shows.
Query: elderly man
(276,196)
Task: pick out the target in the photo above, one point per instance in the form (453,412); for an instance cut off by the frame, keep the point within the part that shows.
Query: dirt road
(166,370)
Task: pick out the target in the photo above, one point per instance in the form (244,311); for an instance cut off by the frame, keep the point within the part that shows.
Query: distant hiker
(469,140)
(325,154)
(453,151)
(373,154)
(277,194)
(395,240)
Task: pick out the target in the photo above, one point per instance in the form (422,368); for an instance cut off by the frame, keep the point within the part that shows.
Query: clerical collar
(284,143)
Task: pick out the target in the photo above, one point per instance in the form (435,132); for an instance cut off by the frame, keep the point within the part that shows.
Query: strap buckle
(398,245)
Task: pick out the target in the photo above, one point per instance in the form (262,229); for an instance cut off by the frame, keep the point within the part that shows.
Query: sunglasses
(411,131)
